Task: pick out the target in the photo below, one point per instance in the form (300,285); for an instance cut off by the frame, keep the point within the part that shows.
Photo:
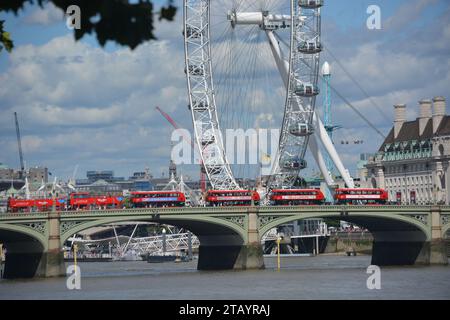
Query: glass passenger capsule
(310,4)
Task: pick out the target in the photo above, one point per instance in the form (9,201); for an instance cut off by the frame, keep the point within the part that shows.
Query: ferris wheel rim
(286,177)
(221,169)
(216,166)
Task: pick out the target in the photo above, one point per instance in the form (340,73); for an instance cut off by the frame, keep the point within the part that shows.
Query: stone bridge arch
(26,230)
(222,239)
(25,248)
(446,227)
(398,239)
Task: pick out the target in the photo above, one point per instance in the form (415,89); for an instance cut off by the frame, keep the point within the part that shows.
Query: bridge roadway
(229,236)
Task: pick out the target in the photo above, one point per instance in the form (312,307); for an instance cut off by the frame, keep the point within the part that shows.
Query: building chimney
(438,112)
(400,118)
(425,107)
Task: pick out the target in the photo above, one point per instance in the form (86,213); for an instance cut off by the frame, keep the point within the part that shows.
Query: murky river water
(323,277)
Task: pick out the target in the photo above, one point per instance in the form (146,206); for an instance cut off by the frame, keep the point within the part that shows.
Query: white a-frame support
(320,133)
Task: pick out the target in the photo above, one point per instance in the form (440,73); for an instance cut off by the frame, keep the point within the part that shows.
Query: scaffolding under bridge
(122,247)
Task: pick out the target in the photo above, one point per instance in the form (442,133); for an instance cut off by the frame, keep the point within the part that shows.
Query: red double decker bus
(29,205)
(216,198)
(157,199)
(361,196)
(296,197)
(83,200)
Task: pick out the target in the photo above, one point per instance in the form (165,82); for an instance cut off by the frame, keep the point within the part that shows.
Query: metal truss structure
(298,64)
(201,94)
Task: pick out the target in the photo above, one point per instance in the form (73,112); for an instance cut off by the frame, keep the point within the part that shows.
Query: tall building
(34,174)
(7,173)
(172,169)
(37,175)
(413,163)
(100,175)
(361,166)
(106,175)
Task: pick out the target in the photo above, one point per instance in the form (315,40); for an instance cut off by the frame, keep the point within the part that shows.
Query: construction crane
(188,140)
(19,143)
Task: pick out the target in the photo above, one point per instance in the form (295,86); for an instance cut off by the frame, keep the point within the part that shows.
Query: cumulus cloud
(45,16)
(408,13)
(80,104)
(404,66)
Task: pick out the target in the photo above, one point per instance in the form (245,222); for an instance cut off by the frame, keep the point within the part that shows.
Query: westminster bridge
(230,237)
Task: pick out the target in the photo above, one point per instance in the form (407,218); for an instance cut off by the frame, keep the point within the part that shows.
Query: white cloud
(54,115)
(32,143)
(80,104)
(408,13)
(45,16)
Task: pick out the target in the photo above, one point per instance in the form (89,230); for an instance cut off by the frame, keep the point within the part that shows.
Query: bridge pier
(228,257)
(52,260)
(27,257)
(228,252)
(409,252)
(409,247)
(434,252)
(251,255)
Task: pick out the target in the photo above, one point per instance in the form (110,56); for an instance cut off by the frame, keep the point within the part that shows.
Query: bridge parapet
(209,210)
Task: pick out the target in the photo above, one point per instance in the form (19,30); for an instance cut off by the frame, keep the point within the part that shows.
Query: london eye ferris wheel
(250,63)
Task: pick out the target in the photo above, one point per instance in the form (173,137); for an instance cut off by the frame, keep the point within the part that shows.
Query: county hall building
(413,163)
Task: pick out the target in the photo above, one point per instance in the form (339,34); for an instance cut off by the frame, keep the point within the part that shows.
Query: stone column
(438,248)
(380,174)
(1,260)
(231,250)
(447,183)
(52,261)
(251,255)
(437,172)
(434,251)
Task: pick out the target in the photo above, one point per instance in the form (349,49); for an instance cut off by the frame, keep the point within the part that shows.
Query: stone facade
(37,175)
(413,163)
(8,174)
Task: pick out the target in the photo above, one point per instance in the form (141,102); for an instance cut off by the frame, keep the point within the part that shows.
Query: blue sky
(347,16)
(82,104)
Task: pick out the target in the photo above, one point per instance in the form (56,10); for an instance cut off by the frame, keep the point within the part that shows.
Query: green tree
(5,40)
(120,21)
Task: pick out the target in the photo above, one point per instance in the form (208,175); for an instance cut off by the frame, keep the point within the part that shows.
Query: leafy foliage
(125,23)
(5,40)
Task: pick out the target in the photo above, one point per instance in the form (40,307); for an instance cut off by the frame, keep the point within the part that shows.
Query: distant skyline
(80,104)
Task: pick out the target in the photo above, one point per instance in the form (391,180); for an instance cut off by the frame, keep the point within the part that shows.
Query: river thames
(322,277)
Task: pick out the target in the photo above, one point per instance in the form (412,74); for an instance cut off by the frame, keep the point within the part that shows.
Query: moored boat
(161,257)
